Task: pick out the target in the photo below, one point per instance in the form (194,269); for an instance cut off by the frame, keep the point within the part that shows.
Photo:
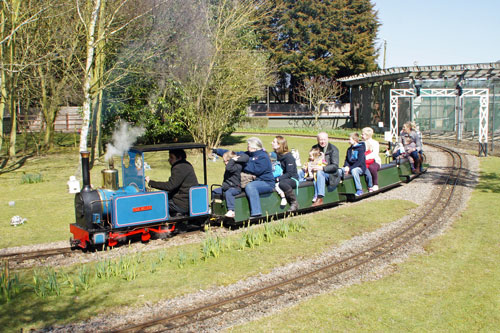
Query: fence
(68,120)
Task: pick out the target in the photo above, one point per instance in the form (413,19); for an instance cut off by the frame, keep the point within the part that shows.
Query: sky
(438,32)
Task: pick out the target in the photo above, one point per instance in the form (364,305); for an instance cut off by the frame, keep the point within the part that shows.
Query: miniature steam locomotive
(110,214)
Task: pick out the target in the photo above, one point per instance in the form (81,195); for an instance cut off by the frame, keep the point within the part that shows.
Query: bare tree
(17,18)
(56,79)
(318,91)
(103,21)
(222,79)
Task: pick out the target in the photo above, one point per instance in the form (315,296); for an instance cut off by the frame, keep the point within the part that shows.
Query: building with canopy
(462,101)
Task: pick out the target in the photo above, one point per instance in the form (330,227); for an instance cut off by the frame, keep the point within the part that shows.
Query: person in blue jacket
(257,163)
(355,161)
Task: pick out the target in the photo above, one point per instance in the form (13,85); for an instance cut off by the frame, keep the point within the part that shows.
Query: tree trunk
(87,103)
(12,105)
(97,83)
(3,93)
(3,88)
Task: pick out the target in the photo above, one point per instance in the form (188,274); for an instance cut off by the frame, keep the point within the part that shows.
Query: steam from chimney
(123,138)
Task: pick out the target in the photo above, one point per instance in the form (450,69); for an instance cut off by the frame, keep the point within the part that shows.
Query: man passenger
(327,173)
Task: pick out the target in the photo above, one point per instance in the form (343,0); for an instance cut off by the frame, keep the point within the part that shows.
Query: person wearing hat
(182,178)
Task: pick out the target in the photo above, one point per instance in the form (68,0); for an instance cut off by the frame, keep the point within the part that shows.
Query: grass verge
(84,291)
(452,287)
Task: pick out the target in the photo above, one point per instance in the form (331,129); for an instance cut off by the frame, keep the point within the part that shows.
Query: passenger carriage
(389,175)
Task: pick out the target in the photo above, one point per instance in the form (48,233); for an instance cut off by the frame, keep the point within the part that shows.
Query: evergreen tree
(309,38)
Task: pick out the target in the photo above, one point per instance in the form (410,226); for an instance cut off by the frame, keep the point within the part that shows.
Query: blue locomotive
(110,214)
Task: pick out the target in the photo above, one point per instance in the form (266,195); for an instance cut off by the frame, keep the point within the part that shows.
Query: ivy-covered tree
(308,38)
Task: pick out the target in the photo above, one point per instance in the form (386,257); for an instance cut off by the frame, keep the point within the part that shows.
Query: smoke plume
(123,138)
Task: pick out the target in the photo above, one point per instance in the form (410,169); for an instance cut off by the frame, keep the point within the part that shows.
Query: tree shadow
(5,167)
(490,182)
(42,311)
(230,140)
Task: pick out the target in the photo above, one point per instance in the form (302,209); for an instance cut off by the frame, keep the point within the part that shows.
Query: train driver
(182,178)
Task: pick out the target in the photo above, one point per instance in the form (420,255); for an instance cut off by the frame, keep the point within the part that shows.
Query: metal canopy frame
(483,95)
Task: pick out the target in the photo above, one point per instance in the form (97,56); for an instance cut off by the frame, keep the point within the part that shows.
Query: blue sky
(438,32)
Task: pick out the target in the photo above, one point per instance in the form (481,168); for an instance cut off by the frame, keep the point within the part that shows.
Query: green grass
(83,296)
(453,287)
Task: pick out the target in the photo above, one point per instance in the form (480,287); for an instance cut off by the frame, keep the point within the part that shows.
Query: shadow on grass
(490,182)
(50,311)
(5,167)
(233,140)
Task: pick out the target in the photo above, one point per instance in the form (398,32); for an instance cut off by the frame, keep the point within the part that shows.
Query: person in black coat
(288,181)
(231,184)
(182,178)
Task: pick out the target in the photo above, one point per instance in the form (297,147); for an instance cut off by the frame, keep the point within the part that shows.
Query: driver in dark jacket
(182,178)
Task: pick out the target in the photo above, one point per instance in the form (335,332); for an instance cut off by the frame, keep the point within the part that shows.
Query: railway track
(21,260)
(18,257)
(428,217)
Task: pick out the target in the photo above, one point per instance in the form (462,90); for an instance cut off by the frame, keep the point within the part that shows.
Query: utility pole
(385,49)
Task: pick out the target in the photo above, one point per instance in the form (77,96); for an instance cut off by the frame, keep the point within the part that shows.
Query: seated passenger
(409,148)
(277,172)
(372,157)
(288,180)
(231,184)
(408,132)
(419,143)
(355,162)
(255,162)
(182,178)
(316,158)
(327,173)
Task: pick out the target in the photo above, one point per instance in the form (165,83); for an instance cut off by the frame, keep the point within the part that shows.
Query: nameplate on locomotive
(142,209)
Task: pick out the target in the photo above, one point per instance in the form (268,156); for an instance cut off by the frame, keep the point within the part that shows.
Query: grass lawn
(453,287)
(57,295)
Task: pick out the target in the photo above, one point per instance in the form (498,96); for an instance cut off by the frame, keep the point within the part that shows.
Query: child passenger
(410,146)
(373,161)
(231,185)
(355,162)
(316,158)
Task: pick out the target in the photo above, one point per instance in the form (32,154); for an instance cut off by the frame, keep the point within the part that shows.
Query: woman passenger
(373,161)
(287,182)
(259,165)
(255,162)
(408,132)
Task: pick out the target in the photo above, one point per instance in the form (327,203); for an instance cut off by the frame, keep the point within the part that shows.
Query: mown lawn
(453,287)
(86,290)
(45,297)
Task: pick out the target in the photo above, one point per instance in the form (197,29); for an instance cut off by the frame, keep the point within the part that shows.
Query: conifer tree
(309,38)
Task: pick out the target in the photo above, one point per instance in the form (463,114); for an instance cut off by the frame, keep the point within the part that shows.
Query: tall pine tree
(309,38)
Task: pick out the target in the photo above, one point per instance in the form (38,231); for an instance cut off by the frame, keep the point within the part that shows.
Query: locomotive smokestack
(85,171)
